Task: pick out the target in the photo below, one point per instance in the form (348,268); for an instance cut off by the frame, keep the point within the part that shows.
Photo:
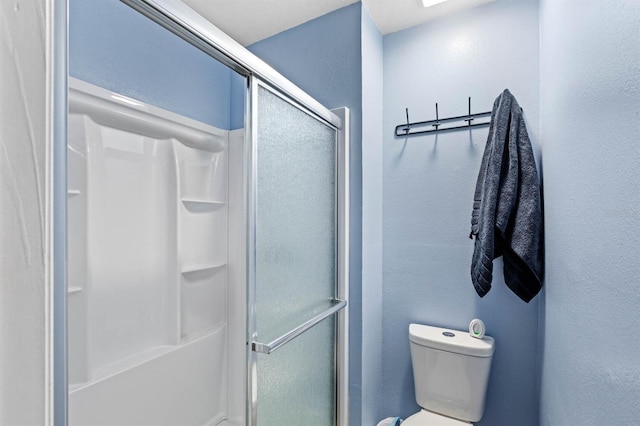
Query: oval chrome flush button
(448,334)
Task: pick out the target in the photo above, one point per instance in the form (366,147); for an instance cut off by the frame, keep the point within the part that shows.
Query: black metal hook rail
(407,129)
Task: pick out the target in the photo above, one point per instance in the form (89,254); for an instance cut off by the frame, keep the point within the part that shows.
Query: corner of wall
(372,87)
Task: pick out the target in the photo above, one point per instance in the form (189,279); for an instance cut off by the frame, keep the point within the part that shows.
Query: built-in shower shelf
(197,204)
(73,192)
(73,290)
(201,268)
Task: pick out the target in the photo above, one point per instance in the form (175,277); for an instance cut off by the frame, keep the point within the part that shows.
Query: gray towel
(507,213)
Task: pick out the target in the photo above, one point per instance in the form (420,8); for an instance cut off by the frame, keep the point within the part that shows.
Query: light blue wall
(428,196)
(590,98)
(115,47)
(372,89)
(322,57)
(238,95)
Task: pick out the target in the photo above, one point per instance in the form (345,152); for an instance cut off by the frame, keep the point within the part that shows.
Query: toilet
(451,373)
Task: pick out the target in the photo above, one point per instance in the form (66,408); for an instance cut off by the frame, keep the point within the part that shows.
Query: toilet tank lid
(441,338)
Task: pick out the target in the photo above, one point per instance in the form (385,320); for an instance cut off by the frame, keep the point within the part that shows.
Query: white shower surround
(155,302)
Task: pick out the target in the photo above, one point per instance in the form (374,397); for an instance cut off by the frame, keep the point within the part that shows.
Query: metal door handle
(267,348)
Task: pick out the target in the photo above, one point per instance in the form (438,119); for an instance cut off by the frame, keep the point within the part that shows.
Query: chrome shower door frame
(340,308)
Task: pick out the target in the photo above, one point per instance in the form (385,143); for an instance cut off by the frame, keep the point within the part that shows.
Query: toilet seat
(427,418)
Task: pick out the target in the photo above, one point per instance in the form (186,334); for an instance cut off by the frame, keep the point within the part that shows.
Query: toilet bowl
(451,372)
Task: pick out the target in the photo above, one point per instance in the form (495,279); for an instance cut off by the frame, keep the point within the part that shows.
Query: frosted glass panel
(296,382)
(296,217)
(295,262)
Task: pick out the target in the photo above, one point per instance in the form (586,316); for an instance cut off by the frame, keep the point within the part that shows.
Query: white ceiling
(395,15)
(249,21)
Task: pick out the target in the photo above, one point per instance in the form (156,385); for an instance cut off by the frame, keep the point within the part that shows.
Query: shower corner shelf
(201,204)
(71,290)
(201,268)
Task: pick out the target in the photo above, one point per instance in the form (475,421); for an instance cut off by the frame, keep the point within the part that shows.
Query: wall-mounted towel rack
(409,129)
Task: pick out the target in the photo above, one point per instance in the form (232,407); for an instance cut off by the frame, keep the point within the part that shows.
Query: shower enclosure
(207,277)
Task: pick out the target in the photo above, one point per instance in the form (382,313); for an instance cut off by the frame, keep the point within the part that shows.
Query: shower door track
(178,18)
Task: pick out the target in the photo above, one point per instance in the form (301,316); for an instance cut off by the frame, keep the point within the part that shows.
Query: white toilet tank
(450,371)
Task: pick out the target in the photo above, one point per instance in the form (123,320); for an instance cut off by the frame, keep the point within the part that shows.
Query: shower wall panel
(148,252)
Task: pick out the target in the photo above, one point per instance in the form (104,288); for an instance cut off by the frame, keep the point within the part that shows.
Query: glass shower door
(294,270)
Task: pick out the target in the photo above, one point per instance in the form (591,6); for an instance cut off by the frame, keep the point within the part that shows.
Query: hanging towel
(507,213)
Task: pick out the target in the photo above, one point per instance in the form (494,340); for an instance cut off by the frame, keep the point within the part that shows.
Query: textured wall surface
(372,86)
(23,182)
(428,196)
(115,47)
(590,115)
(321,57)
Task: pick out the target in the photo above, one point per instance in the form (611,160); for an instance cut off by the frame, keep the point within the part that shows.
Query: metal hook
(469,120)
(406,130)
(437,119)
